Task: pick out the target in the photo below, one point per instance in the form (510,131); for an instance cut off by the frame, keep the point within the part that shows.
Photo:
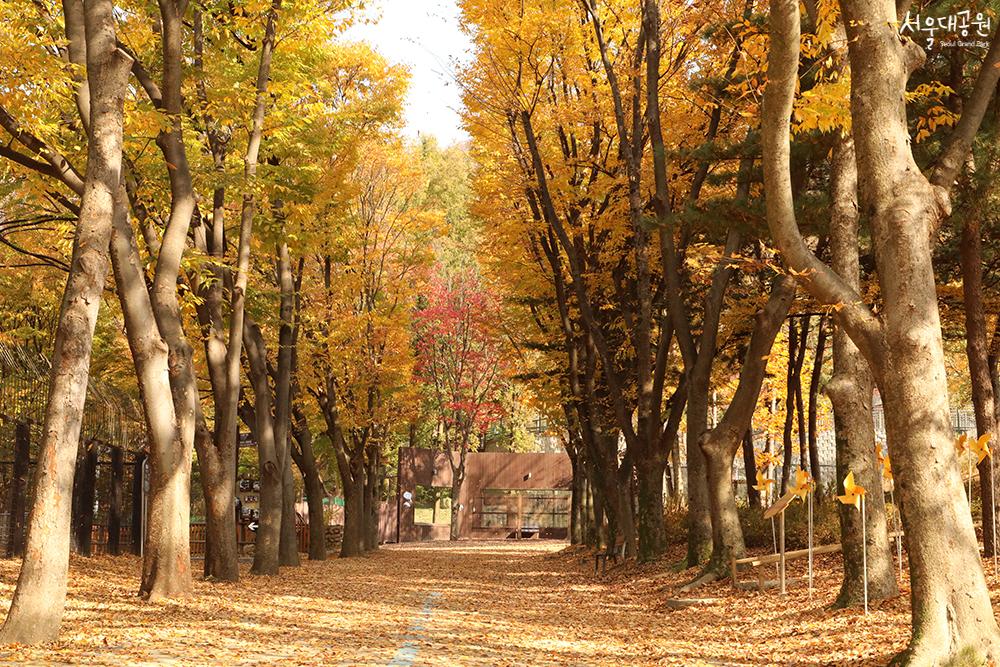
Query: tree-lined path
(669,269)
(471,603)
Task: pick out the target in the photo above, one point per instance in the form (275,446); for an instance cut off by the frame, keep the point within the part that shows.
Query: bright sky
(423,35)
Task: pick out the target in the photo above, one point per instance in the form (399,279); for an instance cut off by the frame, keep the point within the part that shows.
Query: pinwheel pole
(898,530)
(891,481)
(774,540)
(855,495)
(810,541)
(781,538)
(993,510)
(864,550)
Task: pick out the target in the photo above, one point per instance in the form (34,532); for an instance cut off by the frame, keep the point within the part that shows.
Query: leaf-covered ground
(475,603)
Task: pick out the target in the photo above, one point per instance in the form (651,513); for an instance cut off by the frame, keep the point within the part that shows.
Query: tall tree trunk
(979,369)
(699,543)
(268,538)
(372,482)
(576,518)
(750,469)
(219,485)
(138,515)
(850,392)
(37,606)
(721,444)
(289,545)
(786,433)
(305,459)
(166,557)
(814,381)
(650,472)
(288,549)
(457,480)
(217,468)
(87,477)
(116,496)
(952,616)
(354,511)
(19,489)
(799,407)
(166,552)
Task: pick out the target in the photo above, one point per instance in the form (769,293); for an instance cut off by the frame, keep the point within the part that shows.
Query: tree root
(920,653)
(706,576)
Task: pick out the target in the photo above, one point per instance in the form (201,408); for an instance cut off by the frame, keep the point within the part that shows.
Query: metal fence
(962,421)
(108,486)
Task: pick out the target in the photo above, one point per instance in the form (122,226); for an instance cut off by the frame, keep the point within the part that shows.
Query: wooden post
(781,544)
(137,515)
(520,503)
(88,482)
(19,489)
(774,541)
(115,501)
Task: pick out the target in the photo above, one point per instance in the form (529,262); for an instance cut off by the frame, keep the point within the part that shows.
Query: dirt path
(484,603)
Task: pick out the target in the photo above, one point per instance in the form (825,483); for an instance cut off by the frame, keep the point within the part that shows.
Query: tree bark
(372,481)
(19,489)
(305,459)
(814,381)
(850,392)
(138,516)
(116,494)
(353,543)
(166,557)
(166,553)
(289,545)
(971,254)
(220,460)
(786,433)
(952,617)
(750,469)
(268,539)
(576,517)
(39,598)
(87,477)
(799,407)
(721,444)
(457,480)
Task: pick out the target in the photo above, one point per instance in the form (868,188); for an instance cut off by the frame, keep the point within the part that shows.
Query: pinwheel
(853,493)
(980,447)
(763,482)
(803,489)
(803,484)
(886,465)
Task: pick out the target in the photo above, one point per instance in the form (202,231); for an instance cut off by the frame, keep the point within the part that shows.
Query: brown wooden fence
(244,538)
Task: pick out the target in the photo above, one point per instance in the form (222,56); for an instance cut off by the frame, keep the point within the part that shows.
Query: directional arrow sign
(253,525)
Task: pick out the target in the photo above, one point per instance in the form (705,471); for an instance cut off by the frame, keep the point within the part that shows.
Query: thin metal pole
(899,538)
(810,544)
(864,550)
(774,540)
(993,512)
(781,538)
(968,458)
